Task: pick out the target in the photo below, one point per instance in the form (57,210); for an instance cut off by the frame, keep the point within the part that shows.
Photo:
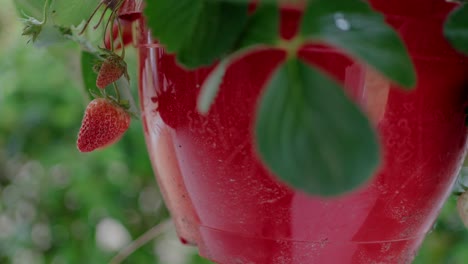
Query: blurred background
(59,206)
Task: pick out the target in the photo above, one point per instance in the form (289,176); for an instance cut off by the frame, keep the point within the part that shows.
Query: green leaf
(72,12)
(88,60)
(353,26)
(456,28)
(63,13)
(32,8)
(199,32)
(261,30)
(262,27)
(311,135)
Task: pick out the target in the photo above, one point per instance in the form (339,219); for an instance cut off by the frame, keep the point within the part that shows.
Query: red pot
(224,200)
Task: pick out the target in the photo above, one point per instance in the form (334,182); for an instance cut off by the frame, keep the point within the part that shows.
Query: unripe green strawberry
(110,70)
(103,124)
(32,28)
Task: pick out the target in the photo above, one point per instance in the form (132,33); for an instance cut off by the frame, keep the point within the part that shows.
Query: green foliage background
(52,198)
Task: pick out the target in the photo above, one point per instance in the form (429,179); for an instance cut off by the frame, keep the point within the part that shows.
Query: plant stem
(291,46)
(101,17)
(119,27)
(44,12)
(117,92)
(140,241)
(89,19)
(111,33)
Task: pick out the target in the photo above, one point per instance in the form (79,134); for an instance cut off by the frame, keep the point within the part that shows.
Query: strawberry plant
(236,32)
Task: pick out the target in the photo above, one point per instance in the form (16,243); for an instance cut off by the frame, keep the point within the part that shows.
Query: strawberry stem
(111,33)
(119,27)
(91,17)
(117,92)
(112,19)
(45,10)
(101,18)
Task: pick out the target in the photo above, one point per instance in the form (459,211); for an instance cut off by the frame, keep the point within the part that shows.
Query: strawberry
(110,70)
(32,28)
(103,124)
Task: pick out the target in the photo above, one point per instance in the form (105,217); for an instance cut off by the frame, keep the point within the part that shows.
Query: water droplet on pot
(341,22)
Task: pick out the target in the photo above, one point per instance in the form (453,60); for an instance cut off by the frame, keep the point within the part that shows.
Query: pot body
(224,200)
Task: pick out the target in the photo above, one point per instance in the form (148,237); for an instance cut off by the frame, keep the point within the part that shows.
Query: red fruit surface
(110,71)
(104,123)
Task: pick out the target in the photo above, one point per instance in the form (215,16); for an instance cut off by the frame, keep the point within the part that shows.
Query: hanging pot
(223,198)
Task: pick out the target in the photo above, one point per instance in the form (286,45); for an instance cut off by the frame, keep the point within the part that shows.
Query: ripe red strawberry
(103,124)
(110,71)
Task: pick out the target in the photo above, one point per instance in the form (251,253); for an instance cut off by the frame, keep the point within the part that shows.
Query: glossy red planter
(224,200)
